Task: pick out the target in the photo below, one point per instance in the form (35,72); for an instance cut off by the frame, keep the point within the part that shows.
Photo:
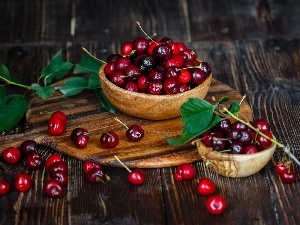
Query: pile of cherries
(156,67)
(237,137)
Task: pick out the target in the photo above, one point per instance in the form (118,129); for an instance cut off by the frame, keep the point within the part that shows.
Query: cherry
(60,176)
(162,52)
(58,166)
(198,76)
(53,188)
(23,182)
(223,126)
(154,88)
(136,176)
(4,187)
(288,176)
(109,140)
(117,78)
(60,115)
(218,143)
(140,45)
(261,125)
(27,146)
(142,83)
(156,75)
(188,54)
(96,175)
(113,58)
(82,141)
(262,142)
(146,63)
(122,63)
(216,204)
(281,167)
(184,76)
(206,186)
(135,133)
(126,48)
(237,125)
(250,149)
(34,160)
(109,68)
(206,68)
(171,86)
(56,126)
(11,155)
(131,86)
(237,148)
(184,171)
(77,132)
(88,165)
(51,159)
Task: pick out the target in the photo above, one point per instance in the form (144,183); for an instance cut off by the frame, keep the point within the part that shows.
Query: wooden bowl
(147,106)
(235,165)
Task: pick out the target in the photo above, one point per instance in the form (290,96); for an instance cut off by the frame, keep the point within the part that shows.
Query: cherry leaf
(234,108)
(4,72)
(196,114)
(73,86)
(104,101)
(87,64)
(56,68)
(93,81)
(223,99)
(2,96)
(43,91)
(12,112)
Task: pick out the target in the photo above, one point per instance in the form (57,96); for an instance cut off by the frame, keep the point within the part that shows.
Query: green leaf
(73,86)
(12,113)
(2,96)
(185,136)
(104,101)
(87,64)
(43,91)
(4,72)
(56,68)
(196,114)
(234,108)
(93,81)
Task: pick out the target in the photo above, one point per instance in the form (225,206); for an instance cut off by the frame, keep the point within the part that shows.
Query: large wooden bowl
(147,106)
(235,165)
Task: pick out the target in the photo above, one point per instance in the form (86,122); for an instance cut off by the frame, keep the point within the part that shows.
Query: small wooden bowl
(147,106)
(235,165)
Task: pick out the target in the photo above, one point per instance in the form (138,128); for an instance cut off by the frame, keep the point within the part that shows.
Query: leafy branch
(13,107)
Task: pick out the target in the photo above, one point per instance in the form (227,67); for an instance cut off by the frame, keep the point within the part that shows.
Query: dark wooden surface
(253,46)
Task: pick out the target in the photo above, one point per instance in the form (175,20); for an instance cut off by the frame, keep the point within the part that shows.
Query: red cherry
(185,171)
(280,167)
(136,177)
(34,160)
(126,48)
(88,165)
(53,188)
(11,155)
(27,146)
(96,175)
(56,126)
(82,141)
(216,204)
(288,176)
(61,115)
(261,125)
(57,166)
(206,186)
(23,182)
(184,76)
(60,176)
(250,149)
(109,140)
(135,133)
(51,159)
(262,142)
(4,187)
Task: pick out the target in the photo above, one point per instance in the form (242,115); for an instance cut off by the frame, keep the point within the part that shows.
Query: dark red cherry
(135,133)
(109,140)
(27,146)
(34,160)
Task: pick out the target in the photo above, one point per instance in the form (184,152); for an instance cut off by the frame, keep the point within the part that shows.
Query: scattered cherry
(53,188)
(184,171)
(109,140)
(11,155)
(56,126)
(216,204)
(57,166)
(206,186)
(4,187)
(88,165)
(80,137)
(23,182)
(51,159)
(96,175)
(34,160)
(288,176)
(28,146)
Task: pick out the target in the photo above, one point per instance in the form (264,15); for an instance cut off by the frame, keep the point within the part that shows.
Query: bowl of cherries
(151,79)
(233,149)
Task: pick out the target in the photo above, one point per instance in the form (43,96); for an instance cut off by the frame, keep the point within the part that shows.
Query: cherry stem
(14,83)
(116,118)
(123,164)
(86,51)
(139,24)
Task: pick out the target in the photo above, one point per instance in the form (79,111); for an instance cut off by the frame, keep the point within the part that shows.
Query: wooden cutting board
(85,111)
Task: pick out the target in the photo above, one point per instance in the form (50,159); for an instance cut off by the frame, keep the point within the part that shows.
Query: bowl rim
(103,77)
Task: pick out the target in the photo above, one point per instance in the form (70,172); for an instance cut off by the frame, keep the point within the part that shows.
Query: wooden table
(252,46)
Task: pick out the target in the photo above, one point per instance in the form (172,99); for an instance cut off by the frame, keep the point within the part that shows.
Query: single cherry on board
(56,126)
(109,140)
(136,176)
(134,133)
(206,186)
(11,155)
(53,188)
(34,160)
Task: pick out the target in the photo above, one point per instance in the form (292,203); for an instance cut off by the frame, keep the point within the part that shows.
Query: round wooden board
(85,110)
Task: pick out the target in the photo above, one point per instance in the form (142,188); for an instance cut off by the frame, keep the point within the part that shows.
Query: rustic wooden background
(253,46)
